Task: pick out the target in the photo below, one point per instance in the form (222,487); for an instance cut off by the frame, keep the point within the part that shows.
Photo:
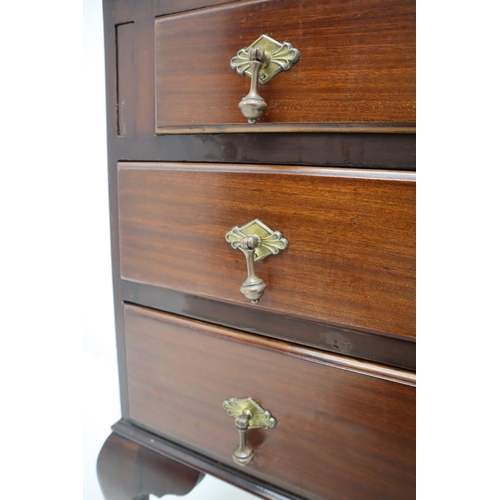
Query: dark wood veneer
(389,350)
(351,259)
(345,429)
(163,7)
(378,147)
(347,150)
(385,151)
(357,64)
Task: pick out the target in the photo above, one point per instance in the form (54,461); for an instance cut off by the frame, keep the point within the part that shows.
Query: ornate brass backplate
(271,242)
(257,242)
(280,57)
(261,419)
(248,415)
(261,61)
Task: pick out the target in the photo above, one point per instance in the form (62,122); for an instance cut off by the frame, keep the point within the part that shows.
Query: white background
(55,259)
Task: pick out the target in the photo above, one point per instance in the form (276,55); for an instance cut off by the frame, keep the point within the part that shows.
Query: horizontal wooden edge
(187,7)
(377,347)
(281,347)
(127,282)
(390,175)
(371,151)
(363,128)
(186,456)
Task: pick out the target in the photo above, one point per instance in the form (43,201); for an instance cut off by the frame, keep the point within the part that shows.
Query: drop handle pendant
(261,61)
(253,287)
(248,414)
(257,242)
(252,105)
(243,455)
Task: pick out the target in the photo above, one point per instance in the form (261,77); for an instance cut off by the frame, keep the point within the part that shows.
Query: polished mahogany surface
(334,174)
(345,429)
(351,255)
(357,64)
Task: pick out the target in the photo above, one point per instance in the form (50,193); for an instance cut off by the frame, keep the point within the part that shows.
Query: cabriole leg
(128,471)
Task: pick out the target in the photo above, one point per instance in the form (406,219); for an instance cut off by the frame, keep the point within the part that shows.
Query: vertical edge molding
(125,79)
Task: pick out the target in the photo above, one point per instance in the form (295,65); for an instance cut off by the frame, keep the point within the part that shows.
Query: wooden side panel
(126,78)
(340,433)
(351,258)
(357,64)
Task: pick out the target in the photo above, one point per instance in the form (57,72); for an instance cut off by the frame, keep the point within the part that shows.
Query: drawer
(357,64)
(345,429)
(351,234)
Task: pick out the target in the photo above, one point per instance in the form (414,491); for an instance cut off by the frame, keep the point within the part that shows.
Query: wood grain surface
(357,64)
(343,431)
(346,150)
(351,258)
(162,7)
(393,350)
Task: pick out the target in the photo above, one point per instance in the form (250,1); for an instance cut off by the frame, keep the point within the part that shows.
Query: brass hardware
(257,242)
(248,415)
(262,61)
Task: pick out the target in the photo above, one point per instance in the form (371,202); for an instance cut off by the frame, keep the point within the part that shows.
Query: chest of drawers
(312,356)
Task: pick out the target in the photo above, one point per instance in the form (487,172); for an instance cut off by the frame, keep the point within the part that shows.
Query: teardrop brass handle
(243,455)
(257,242)
(248,415)
(262,61)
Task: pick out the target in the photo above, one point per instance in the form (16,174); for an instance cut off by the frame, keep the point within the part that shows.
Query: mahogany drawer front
(351,255)
(345,429)
(357,64)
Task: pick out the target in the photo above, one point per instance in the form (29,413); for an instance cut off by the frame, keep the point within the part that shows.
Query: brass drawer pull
(248,415)
(262,61)
(257,242)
